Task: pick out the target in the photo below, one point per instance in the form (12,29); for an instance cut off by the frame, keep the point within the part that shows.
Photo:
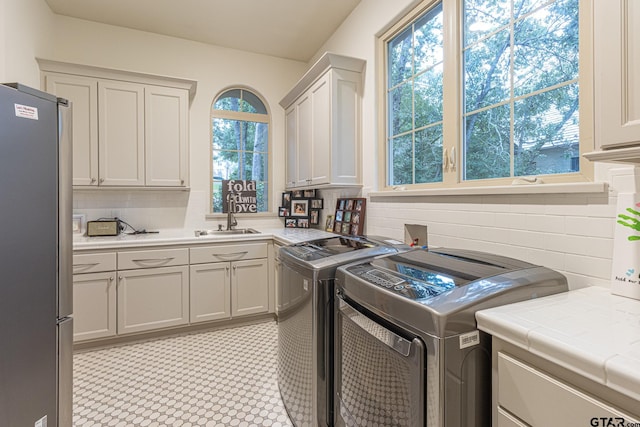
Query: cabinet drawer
(155,258)
(541,400)
(227,253)
(94,263)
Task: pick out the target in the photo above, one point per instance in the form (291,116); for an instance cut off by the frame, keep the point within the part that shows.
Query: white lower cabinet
(236,286)
(528,396)
(153,298)
(249,287)
(94,302)
(210,292)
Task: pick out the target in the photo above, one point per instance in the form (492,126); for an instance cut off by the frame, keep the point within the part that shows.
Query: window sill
(569,188)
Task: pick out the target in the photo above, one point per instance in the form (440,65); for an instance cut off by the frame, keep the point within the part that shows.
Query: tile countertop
(183,236)
(588,331)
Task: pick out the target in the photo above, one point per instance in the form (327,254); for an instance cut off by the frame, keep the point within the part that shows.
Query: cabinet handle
(154,260)
(182,182)
(101,180)
(233,254)
(86,266)
(234,268)
(93,180)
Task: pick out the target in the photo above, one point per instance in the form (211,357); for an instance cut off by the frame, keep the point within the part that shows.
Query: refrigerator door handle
(65,211)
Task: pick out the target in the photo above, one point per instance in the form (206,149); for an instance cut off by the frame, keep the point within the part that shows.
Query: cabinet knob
(182,182)
(111,279)
(101,180)
(93,180)
(235,267)
(119,277)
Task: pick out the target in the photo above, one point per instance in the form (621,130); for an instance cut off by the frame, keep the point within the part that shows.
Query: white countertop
(588,331)
(183,236)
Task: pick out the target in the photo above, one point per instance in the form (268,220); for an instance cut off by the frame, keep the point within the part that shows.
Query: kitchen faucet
(231,208)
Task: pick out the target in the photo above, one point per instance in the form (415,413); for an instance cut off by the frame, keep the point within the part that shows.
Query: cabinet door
(94,306)
(210,292)
(152,298)
(291,175)
(304,137)
(321,132)
(83,94)
(617,72)
(345,118)
(249,287)
(166,136)
(121,133)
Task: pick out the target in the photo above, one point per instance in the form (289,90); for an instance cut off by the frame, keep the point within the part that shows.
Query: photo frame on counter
(328,225)
(290,222)
(350,216)
(303,222)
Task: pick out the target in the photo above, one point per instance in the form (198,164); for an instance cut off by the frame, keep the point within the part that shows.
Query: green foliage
(520,91)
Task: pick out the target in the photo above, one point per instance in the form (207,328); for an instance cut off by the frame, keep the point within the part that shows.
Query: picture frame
(286,199)
(303,222)
(355,218)
(355,228)
(339,216)
(290,223)
(328,226)
(350,216)
(317,203)
(297,194)
(299,207)
(283,211)
(309,193)
(314,218)
(346,227)
(347,216)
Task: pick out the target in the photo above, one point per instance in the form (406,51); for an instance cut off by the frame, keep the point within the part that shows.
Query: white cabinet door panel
(82,92)
(249,287)
(153,298)
(121,133)
(94,306)
(166,136)
(210,292)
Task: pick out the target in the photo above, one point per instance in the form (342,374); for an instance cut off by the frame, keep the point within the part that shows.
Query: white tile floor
(219,378)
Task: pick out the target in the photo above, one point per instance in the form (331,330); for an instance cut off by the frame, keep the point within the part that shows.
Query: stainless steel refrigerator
(36,327)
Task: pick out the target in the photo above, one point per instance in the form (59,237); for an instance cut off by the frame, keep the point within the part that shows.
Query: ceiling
(292,29)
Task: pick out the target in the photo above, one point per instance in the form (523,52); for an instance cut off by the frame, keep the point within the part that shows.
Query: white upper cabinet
(82,92)
(129,130)
(166,149)
(617,80)
(121,133)
(323,125)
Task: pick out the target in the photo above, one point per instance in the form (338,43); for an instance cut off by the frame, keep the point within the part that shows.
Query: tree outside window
(240,139)
(517,98)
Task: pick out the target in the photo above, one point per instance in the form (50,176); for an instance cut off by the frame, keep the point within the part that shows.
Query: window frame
(453,104)
(243,116)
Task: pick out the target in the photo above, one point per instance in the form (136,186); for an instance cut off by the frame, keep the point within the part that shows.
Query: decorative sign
(243,193)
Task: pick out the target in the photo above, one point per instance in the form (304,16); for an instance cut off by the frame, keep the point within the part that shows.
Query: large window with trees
(493,97)
(240,144)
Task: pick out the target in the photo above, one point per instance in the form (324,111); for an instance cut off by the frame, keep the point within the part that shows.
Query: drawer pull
(233,254)
(85,266)
(153,260)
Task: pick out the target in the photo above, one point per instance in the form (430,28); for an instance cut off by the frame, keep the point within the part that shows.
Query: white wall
(214,68)
(570,233)
(25,29)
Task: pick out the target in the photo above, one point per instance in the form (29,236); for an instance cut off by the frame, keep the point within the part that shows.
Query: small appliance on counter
(407,348)
(104,227)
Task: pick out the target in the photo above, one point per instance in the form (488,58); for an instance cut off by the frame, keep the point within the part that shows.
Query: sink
(200,233)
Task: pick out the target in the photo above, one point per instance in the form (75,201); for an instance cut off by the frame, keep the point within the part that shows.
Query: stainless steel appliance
(305,321)
(407,351)
(36,328)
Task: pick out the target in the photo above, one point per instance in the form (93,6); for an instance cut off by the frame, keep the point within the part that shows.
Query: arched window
(240,144)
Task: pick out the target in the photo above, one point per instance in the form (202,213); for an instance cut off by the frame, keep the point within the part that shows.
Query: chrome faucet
(231,208)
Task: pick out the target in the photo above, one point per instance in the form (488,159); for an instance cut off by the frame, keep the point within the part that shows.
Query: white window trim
(452,183)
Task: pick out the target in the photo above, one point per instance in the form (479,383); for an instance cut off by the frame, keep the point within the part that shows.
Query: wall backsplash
(571,233)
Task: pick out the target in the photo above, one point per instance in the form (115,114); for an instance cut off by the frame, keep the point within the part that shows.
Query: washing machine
(407,348)
(305,320)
